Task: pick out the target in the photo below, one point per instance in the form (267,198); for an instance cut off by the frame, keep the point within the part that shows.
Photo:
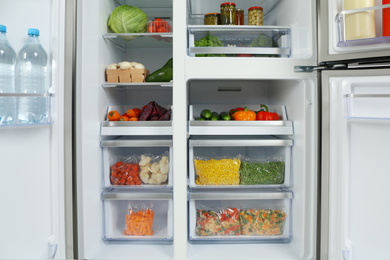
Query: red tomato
(161,29)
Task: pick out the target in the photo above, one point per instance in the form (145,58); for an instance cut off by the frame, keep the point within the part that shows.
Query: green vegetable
(206,114)
(169,63)
(209,41)
(200,119)
(128,19)
(261,173)
(224,116)
(264,41)
(214,116)
(165,74)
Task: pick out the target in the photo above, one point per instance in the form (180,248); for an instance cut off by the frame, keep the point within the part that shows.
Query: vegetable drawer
(138,217)
(137,164)
(244,163)
(240,217)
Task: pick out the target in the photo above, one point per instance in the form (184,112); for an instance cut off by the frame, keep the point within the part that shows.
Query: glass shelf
(140,40)
(237,40)
(138,85)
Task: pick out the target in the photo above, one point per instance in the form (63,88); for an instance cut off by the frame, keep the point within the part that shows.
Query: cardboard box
(126,75)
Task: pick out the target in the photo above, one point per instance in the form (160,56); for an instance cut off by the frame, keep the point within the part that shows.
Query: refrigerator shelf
(116,207)
(232,127)
(133,151)
(264,163)
(140,40)
(368,106)
(342,29)
(203,205)
(238,39)
(148,85)
(47,98)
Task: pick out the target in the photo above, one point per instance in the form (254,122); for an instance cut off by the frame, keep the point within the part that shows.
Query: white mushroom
(112,66)
(139,66)
(124,65)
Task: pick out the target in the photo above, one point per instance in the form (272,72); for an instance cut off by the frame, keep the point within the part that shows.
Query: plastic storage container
(131,164)
(228,13)
(244,216)
(32,75)
(7,79)
(155,209)
(245,163)
(255,15)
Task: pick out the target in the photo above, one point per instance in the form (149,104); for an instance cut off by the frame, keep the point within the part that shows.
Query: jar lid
(212,14)
(256,7)
(239,10)
(228,3)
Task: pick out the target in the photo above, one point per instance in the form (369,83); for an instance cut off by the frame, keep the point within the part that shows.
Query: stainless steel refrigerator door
(328,36)
(355,164)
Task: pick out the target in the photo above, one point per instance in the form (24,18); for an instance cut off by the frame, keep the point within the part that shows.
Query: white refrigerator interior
(32,222)
(354,201)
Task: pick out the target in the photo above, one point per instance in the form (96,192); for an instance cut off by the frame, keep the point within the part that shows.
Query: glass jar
(240,17)
(255,15)
(228,13)
(212,19)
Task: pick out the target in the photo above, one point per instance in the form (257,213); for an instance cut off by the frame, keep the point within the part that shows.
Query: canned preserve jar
(228,13)
(240,17)
(212,19)
(255,15)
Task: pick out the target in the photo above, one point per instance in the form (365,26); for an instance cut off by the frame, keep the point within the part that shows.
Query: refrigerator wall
(33,157)
(355,165)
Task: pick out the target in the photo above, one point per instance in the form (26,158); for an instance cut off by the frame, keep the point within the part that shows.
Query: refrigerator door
(355,164)
(333,39)
(36,214)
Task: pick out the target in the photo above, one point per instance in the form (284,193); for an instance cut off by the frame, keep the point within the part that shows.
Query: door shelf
(236,40)
(368,106)
(237,227)
(14,98)
(153,157)
(124,128)
(232,127)
(117,207)
(140,40)
(245,163)
(342,30)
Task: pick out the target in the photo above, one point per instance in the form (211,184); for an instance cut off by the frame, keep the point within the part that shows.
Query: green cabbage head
(128,19)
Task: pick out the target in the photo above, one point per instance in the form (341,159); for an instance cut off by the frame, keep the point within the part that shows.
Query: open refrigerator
(330,136)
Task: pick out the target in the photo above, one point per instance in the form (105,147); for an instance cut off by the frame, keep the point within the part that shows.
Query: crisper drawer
(160,124)
(244,163)
(198,126)
(368,106)
(240,217)
(138,217)
(135,164)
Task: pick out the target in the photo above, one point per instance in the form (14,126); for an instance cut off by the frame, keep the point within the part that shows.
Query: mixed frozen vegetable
(223,223)
(265,222)
(261,173)
(217,171)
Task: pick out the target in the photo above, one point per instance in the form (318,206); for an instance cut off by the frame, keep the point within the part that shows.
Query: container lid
(3,28)
(32,31)
(255,7)
(228,3)
(239,10)
(212,14)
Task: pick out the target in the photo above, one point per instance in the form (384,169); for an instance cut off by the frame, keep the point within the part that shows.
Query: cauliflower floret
(112,66)
(145,160)
(160,178)
(144,176)
(153,179)
(164,165)
(155,168)
(145,169)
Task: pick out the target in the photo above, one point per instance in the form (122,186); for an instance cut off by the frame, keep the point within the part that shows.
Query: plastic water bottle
(7,79)
(32,73)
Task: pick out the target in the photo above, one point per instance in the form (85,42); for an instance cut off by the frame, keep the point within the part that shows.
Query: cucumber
(169,63)
(165,74)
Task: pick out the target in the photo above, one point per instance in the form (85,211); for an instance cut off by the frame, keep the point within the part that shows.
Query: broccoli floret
(264,41)
(209,41)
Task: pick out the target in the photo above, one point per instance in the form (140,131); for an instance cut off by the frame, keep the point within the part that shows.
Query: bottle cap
(3,28)
(32,31)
